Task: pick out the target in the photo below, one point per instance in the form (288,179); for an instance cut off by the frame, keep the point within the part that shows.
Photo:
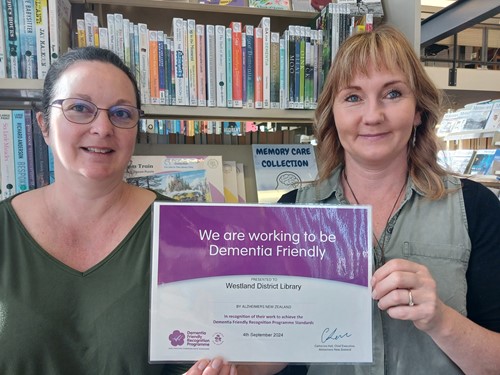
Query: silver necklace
(381,243)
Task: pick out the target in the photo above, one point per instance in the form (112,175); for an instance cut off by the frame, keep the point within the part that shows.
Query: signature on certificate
(333,335)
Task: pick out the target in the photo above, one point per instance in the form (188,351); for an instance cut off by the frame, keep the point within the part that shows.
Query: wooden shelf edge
(228,114)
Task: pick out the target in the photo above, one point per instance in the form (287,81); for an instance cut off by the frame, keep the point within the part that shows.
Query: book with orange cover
(154,83)
(237,55)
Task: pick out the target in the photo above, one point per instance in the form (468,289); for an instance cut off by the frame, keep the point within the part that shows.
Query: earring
(414,138)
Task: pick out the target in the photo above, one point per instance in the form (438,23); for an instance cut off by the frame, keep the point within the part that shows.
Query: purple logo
(218,338)
(177,338)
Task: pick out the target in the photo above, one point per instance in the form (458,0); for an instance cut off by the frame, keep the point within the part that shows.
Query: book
(274,96)
(265,24)
(493,122)
(110,19)
(3,66)
(201,65)
(184,178)
(220,65)
(154,78)
(20,150)
(240,179)
(27,39)
(461,160)
(478,116)
(126,42)
(482,161)
(28,124)
(191,56)
(281,168)
(250,65)
(211,62)
(41,156)
(258,72)
(119,44)
(229,67)
(237,64)
(11,37)
(59,27)
(495,165)
(270,4)
(103,38)
(88,19)
(230,181)
(7,170)
(143,62)
(42,37)
(181,97)
(162,82)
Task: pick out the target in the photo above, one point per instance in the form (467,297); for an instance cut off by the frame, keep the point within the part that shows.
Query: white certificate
(261,283)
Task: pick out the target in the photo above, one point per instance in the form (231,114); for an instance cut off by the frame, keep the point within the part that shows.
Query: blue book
(161,67)
(229,67)
(20,151)
(51,165)
(27,39)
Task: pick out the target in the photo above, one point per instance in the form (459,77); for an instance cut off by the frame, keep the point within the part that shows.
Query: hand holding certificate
(258,283)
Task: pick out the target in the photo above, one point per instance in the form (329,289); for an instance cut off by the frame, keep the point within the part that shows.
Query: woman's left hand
(407,291)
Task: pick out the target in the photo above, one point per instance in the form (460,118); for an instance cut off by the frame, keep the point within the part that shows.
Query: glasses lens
(124,116)
(78,110)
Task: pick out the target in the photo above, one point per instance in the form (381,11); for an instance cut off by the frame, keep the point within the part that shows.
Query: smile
(99,150)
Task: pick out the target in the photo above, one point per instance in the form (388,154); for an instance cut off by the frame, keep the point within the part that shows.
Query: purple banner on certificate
(199,241)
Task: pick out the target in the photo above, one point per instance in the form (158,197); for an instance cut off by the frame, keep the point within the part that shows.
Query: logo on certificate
(177,338)
(218,338)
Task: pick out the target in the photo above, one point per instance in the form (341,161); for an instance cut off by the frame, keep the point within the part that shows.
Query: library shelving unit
(158,14)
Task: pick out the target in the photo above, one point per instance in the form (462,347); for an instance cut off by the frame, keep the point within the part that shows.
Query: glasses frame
(58,104)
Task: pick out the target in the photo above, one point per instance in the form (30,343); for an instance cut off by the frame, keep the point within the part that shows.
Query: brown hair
(385,47)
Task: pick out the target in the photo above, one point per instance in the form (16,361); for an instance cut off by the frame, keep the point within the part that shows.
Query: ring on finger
(410,298)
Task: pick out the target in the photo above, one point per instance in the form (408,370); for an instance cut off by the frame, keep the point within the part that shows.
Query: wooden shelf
(228,114)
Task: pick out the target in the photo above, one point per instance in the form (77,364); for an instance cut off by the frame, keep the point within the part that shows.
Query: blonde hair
(385,47)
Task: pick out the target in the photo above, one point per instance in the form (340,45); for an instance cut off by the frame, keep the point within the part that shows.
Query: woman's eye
(121,113)
(80,108)
(394,94)
(352,98)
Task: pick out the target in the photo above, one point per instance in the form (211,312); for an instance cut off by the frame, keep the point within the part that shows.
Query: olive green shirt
(56,320)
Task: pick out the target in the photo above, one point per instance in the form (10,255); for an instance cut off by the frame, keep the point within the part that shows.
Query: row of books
(25,160)
(471,162)
(239,66)
(161,131)
(33,34)
(474,117)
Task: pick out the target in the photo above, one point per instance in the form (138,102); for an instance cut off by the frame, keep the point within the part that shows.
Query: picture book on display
(184,178)
(281,168)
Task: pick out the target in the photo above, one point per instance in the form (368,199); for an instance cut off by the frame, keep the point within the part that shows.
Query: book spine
(191,49)
(20,151)
(275,70)
(297,68)
(144,62)
(161,67)
(137,59)
(28,125)
(244,69)
(3,66)
(110,18)
(265,24)
(291,66)
(250,65)
(119,35)
(168,70)
(220,62)
(88,19)
(179,53)
(40,150)
(185,62)
(302,66)
(126,42)
(258,87)
(103,38)
(131,46)
(308,71)
(229,67)
(11,23)
(201,65)
(237,54)
(154,84)
(210,53)
(7,172)
(282,73)
(59,25)
(27,39)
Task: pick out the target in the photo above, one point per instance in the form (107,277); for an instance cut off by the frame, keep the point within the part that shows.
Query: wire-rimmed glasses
(80,111)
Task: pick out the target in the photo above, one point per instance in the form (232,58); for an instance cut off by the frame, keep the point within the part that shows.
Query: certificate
(261,283)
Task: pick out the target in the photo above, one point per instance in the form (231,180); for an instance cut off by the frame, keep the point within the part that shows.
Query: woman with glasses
(75,255)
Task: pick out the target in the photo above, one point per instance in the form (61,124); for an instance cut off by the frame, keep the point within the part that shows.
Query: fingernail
(216,363)
(232,371)
(202,364)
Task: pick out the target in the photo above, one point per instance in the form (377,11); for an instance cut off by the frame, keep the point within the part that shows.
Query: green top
(56,320)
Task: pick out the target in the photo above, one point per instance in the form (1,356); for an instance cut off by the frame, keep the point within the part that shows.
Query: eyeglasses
(81,111)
